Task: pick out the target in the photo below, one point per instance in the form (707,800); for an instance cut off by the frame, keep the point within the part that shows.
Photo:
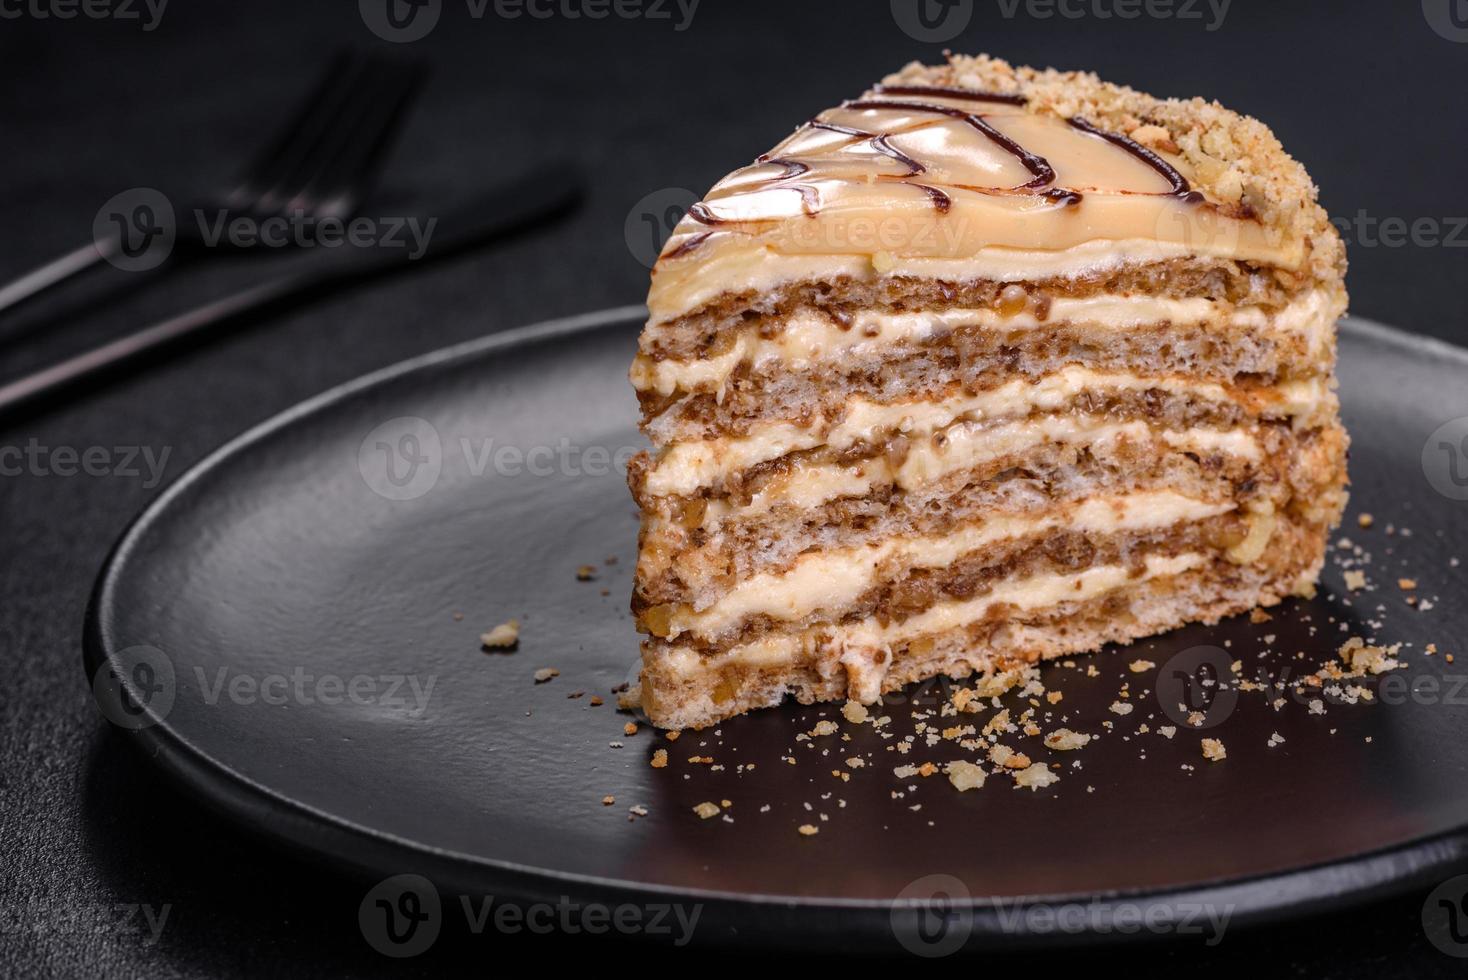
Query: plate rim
(365,850)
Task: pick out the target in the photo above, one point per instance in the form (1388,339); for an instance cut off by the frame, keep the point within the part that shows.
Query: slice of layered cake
(986,366)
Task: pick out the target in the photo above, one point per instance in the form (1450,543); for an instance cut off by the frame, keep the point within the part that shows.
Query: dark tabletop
(1369,96)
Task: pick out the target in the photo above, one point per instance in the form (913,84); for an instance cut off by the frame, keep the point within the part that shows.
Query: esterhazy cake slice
(986,366)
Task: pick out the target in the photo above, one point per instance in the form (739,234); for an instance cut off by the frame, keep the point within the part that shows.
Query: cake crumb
(854,712)
(1065,740)
(659,759)
(823,727)
(1120,708)
(1141,666)
(1406,584)
(505,636)
(1365,520)
(1355,579)
(1167,731)
(808,830)
(630,728)
(1037,776)
(1259,615)
(608,800)
(706,810)
(965,775)
(1213,750)
(585,573)
(546,673)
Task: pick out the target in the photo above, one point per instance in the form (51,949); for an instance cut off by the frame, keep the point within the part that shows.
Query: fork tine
(343,180)
(295,141)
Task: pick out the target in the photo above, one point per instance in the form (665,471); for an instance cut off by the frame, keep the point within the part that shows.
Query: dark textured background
(1366,94)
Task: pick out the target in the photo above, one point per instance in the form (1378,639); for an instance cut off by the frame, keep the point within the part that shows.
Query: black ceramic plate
(272,612)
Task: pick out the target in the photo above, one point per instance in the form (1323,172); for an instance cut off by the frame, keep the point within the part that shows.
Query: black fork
(321,163)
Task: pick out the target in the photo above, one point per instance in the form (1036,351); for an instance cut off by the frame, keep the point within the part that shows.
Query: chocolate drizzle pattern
(802,175)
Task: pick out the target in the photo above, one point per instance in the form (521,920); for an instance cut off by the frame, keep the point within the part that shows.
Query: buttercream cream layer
(829,581)
(859,641)
(810,338)
(963,420)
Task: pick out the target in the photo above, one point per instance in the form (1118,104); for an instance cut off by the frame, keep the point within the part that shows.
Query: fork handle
(57,270)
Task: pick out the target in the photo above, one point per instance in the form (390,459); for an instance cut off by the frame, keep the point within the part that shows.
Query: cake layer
(1164,401)
(1226,284)
(681,689)
(910,459)
(893,576)
(693,553)
(882,351)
